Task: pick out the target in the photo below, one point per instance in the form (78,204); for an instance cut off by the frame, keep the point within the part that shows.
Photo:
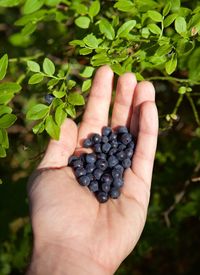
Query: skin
(73,233)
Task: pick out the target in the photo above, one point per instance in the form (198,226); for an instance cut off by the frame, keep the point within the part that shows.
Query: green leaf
(76,99)
(52,128)
(28,29)
(182,90)
(94,9)
(70,109)
(126,28)
(82,22)
(5,97)
(60,114)
(48,67)
(52,3)
(32,5)
(1,181)
(9,3)
(37,112)
(154,29)
(2,152)
(38,128)
(194,65)
(180,25)
(77,42)
(167,8)
(33,66)
(5,110)
(170,66)
(169,20)
(4,138)
(85,51)
(3,66)
(91,41)
(10,87)
(59,94)
(51,83)
(71,84)
(163,50)
(7,120)
(36,78)
(145,32)
(87,72)
(107,29)
(86,85)
(124,5)
(155,16)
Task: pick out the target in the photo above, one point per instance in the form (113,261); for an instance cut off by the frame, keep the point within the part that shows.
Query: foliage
(53,47)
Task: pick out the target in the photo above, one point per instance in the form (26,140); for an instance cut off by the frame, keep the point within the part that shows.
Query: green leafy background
(54,47)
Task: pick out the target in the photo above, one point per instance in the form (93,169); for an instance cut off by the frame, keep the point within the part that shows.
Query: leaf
(94,9)
(59,94)
(9,3)
(124,5)
(32,5)
(126,28)
(85,51)
(155,16)
(3,66)
(169,20)
(36,78)
(107,29)
(52,128)
(7,120)
(86,85)
(28,29)
(52,3)
(4,138)
(5,110)
(194,65)
(163,50)
(33,66)
(167,8)
(70,109)
(82,22)
(10,87)
(180,25)
(60,114)
(87,72)
(154,29)
(48,67)
(71,83)
(38,128)
(6,97)
(170,66)
(2,152)
(37,112)
(91,41)
(76,99)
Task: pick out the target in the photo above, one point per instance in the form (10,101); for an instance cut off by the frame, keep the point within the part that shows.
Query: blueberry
(91,177)
(96,138)
(97,147)
(126,163)
(106,131)
(94,186)
(114,143)
(105,187)
(113,136)
(116,173)
(119,168)
(91,158)
(72,159)
(112,161)
(107,178)
(114,193)
(112,151)
(102,197)
(118,183)
(102,164)
(83,157)
(87,143)
(97,173)
(89,167)
(106,147)
(126,138)
(129,153)
(131,145)
(122,130)
(121,155)
(101,156)
(49,98)
(78,163)
(104,139)
(80,172)
(84,180)
(121,147)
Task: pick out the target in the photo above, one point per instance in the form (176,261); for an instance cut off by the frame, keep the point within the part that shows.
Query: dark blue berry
(84,180)
(112,161)
(91,158)
(116,173)
(112,151)
(96,138)
(106,131)
(107,178)
(94,186)
(71,160)
(118,183)
(105,187)
(121,147)
(101,156)
(78,163)
(90,176)
(114,193)
(129,153)
(131,145)
(121,155)
(114,143)
(97,148)
(80,172)
(126,138)
(87,143)
(49,98)
(119,168)
(122,130)
(112,136)
(97,173)
(102,164)
(89,167)
(126,163)
(106,147)
(104,139)
(102,197)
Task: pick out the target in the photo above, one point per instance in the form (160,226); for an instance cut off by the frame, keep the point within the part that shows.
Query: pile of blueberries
(102,171)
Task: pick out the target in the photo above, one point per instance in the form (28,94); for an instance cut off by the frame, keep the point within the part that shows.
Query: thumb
(58,152)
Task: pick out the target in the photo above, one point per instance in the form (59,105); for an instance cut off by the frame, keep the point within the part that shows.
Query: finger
(58,152)
(96,113)
(144,92)
(143,158)
(122,109)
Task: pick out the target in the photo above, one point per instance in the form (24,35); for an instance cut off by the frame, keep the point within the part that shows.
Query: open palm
(66,215)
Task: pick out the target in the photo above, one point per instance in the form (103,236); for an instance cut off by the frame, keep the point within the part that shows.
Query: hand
(73,233)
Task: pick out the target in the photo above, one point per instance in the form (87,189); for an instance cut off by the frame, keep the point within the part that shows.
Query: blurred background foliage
(54,47)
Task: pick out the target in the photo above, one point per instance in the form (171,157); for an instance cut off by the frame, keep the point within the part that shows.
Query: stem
(24,59)
(196,115)
(170,78)
(178,103)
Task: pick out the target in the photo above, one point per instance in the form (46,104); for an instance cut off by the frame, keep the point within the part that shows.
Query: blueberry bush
(49,51)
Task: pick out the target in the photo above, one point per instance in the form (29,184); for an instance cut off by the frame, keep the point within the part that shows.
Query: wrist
(54,259)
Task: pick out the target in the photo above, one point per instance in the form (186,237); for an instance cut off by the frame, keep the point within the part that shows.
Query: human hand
(73,233)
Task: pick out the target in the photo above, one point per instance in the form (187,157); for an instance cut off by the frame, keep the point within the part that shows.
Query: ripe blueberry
(84,180)
(106,147)
(114,193)
(129,153)
(94,186)
(105,187)
(78,163)
(126,138)
(71,160)
(116,173)
(126,163)
(97,148)
(121,155)
(118,183)
(97,173)
(102,197)
(106,131)
(102,164)
(107,178)
(101,156)
(96,138)
(104,139)
(87,143)
(112,161)
(122,130)
(89,167)
(91,158)
(80,172)
(49,98)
